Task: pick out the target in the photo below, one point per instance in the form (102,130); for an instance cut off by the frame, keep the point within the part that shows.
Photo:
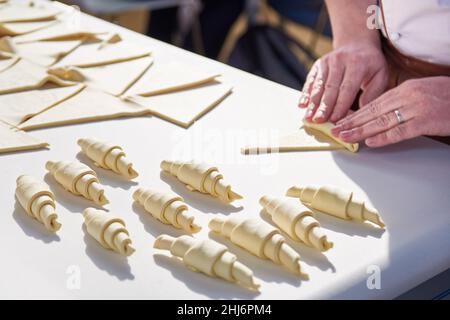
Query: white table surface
(409,183)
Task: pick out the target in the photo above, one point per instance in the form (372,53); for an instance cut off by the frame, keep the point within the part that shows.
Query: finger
(331,92)
(381,124)
(317,89)
(374,88)
(396,134)
(307,86)
(347,93)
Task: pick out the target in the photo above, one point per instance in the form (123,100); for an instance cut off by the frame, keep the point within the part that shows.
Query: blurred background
(274,39)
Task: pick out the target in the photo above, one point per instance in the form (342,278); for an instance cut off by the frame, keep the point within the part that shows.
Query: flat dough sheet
(91,55)
(86,106)
(113,78)
(14,12)
(25,75)
(304,139)
(16,108)
(170,77)
(58,31)
(13,139)
(184,107)
(7,61)
(18,28)
(44,53)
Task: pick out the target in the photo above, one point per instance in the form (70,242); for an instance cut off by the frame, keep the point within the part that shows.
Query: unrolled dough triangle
(25,75)
(88,105)
(16,108)
(44,53)
(89,55)
(113,78)
(184,107)
(17,28)
(169,77)
(13,139)
(14,12)
(7,61)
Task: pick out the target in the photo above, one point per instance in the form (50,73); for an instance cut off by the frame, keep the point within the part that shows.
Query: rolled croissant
(108,230)
(201,177)
(79,179)
(259,238)
(297,221)
(167,208)
(38,201)
(336,202)
(208,257)
(108,156)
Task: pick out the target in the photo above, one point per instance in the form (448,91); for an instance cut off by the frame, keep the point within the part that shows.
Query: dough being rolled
(336,202)
(297,221)
(38,201)
(259,238)
(326,129)
(109,230)
(201,177)
(108,156)
(79,179)
(167,208)
(208,257)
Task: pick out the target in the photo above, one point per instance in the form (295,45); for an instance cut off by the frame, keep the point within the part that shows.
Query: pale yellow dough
(25,75)
(86,106)
(78,179)
(208,257)
(12,139)
(108,156)
(38,201)
(336,202)
(326,129)
(260,239)
(167,207)
(171,77)
(297,221)
(113,78)
(184,107)
(18,28)
(16,108)
(202,178)
(110,231)
(14,12)
(7,60)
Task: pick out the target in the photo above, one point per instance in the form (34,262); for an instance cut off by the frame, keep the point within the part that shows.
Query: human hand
(424,107)
(335,80)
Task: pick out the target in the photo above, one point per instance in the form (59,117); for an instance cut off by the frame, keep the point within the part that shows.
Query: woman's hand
(423,105)
(335,80)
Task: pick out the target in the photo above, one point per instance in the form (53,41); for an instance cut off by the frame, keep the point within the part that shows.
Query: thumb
(374,88)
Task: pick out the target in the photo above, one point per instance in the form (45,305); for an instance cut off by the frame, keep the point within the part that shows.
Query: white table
(409,183)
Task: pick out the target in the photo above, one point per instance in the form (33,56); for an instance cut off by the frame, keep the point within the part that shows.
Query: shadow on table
(71,202)
(31,227)
(107,260)
(310,256)
(213,288)
(106,177)
(202,202)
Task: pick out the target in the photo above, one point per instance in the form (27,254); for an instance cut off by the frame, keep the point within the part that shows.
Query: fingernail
(318,116)
(369,141)
(303,102)
(309,113)
(346,134)
(335,131)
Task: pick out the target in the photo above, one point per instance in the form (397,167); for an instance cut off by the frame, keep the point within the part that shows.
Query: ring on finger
(399,117)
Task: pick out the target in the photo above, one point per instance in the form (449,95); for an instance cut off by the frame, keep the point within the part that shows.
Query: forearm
(349,22)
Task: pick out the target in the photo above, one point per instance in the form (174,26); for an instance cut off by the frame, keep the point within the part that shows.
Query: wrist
(371,38)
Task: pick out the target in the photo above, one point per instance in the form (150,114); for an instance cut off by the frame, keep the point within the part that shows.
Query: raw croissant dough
(208,257)
(113,78)
(297,221)
(167,207)
(259,238)
(110,231)
(311,137)
(25,75)
(88,105)
(7,61)
(38,201)
(184,107)
(79,179)
(108,156)
(16,108)
(170,77)
(201,177)
(336,202)
(13,12)
(18,28)
(13,139)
